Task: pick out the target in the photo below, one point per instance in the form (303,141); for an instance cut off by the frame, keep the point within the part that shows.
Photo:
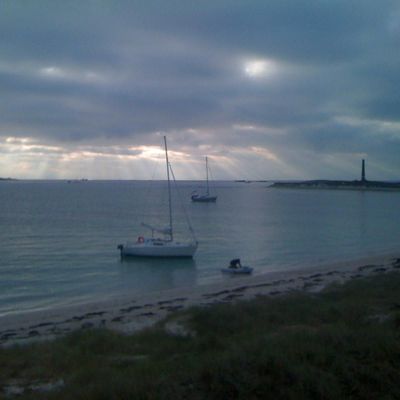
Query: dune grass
(343,343)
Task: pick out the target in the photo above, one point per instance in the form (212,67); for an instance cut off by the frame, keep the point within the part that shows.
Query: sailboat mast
(169,189)
(208,188)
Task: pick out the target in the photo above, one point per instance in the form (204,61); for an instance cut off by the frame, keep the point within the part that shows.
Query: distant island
(77,180)
(7,179)
(362,184)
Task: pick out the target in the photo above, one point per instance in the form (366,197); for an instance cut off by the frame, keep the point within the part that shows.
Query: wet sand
(136,312)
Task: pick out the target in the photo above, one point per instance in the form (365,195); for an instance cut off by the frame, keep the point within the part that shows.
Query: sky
(267,89)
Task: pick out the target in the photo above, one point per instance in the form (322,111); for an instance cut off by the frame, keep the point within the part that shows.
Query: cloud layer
(267,89)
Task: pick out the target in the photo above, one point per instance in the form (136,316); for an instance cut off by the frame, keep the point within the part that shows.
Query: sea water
(58,240)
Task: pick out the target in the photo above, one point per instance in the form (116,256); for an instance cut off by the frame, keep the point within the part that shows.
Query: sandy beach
(131,314)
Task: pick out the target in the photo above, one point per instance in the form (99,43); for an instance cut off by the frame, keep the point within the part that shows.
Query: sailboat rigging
(166,246)
(207,197)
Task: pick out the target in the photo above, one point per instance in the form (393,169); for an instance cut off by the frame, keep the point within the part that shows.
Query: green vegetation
(343,343)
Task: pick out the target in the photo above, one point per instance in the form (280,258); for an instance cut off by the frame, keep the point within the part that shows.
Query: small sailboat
(204,198)
(166,246)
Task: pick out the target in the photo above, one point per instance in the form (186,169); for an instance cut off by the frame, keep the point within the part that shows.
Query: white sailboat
(207,197)
(166,246)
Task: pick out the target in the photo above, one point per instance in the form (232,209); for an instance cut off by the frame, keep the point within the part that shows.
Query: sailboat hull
(168,249)
(204,199)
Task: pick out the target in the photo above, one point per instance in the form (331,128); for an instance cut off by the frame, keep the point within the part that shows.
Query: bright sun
(258,68)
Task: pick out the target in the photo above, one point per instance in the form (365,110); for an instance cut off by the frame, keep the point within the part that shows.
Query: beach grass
(342,343)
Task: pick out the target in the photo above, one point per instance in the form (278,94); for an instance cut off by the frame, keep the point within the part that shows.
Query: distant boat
(165,246)
(204,198)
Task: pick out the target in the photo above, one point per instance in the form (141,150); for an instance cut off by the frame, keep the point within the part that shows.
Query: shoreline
(131,314)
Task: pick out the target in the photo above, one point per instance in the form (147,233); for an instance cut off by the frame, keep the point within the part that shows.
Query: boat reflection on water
(152,274)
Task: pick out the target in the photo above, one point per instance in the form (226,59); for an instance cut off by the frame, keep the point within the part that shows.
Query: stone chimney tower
(363,171)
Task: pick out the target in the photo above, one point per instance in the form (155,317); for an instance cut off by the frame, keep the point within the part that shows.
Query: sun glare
(259,68)
(151,152)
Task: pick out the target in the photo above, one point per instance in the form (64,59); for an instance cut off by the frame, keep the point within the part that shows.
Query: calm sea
(58,240)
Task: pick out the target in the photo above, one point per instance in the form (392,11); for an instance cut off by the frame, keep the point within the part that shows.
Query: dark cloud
(121,72)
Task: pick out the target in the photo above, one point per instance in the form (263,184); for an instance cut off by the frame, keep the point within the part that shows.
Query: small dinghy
(235,267)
